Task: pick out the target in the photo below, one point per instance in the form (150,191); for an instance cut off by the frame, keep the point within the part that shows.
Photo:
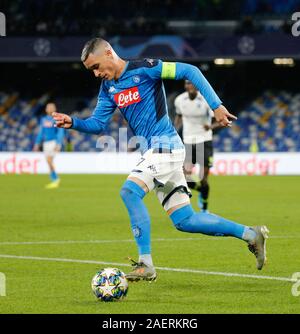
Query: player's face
(50,108)
(190,88)
(102,65)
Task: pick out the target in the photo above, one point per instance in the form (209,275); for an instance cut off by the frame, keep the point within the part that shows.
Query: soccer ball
(110,284)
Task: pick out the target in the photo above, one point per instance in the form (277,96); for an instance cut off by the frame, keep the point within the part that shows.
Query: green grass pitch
(63,223)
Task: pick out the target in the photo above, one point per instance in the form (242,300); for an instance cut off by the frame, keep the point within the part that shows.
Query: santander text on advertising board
(123,163)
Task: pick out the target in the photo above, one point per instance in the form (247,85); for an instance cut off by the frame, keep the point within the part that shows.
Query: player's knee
(181,217)
(181,226)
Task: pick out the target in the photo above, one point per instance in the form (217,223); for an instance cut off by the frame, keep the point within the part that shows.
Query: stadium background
(247,51)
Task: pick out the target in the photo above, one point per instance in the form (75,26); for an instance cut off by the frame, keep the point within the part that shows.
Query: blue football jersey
(140,96)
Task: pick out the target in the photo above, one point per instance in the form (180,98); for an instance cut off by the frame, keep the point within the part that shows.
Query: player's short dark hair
(90,47)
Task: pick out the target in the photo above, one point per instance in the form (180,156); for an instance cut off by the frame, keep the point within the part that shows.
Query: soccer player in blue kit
(136,88)
(52,140)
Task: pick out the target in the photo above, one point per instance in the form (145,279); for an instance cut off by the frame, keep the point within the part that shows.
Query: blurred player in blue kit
(51,139)
(136,88)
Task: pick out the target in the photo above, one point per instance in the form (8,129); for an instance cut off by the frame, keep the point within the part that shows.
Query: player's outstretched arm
(90,125)
(94,124)
(192,73)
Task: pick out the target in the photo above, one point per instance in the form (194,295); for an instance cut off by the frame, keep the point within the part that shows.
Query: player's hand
(223,116)
(62,120)
(207,127)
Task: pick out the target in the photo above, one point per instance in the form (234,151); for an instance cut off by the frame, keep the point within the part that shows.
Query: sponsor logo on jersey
(127,97)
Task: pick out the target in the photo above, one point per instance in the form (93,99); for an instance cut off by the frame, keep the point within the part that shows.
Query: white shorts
(49,148)
(163,172)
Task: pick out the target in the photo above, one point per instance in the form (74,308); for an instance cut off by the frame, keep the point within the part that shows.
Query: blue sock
(53,176)
(187,220)
(132,195)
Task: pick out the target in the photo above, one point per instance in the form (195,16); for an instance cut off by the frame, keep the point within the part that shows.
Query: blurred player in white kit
(195,117)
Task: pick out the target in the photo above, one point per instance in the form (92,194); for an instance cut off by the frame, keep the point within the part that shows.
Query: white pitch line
(54,242)
(182,270)
(57,242)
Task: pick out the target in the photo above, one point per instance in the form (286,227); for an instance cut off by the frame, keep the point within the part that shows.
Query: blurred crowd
(271,121)
(271,8)
(147,17)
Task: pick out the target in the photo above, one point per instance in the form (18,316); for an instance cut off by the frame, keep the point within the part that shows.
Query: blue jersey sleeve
(100,117)
(157,70)
(193,74)
(39,136)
